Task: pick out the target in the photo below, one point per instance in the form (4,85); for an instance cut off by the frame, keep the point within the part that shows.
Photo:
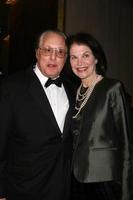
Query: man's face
(51,55)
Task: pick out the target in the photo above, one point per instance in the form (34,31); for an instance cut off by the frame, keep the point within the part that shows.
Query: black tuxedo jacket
(34,157)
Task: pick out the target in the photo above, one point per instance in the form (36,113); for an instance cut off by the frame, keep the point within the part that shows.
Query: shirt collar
(40,76)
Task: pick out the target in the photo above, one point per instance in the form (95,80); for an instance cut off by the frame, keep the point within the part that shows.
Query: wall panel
(110,21)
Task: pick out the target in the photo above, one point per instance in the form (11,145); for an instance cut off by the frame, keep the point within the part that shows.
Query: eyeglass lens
(48,51)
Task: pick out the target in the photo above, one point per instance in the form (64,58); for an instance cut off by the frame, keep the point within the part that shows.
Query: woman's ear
(96,61)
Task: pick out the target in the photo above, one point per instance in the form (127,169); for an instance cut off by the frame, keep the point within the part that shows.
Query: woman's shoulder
(111,85)
(111,82)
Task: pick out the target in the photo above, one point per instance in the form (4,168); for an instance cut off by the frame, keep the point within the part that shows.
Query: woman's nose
(79,61)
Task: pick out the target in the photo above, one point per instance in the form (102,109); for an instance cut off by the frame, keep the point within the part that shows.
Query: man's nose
(53,55)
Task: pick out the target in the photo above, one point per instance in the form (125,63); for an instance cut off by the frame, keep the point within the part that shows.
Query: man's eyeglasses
(47,51)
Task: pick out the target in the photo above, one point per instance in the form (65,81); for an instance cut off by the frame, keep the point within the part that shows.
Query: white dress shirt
(57,98)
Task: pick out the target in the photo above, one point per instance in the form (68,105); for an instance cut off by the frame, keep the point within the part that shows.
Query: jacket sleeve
(5,118)
(122,119)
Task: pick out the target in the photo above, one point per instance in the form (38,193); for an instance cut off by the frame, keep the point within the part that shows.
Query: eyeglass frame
(56,50)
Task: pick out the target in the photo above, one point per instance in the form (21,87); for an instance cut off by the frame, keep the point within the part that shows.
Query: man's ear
(36,53)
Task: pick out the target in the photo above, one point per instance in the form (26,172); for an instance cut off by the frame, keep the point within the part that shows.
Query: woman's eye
(73,57)
(86,55)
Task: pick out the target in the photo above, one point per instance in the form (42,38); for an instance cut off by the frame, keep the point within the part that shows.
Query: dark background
(23,21)
(110,21)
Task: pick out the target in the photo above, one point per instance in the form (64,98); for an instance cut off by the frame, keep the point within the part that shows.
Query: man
(35,138)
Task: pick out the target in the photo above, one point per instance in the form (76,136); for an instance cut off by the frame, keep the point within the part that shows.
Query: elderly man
(35,115)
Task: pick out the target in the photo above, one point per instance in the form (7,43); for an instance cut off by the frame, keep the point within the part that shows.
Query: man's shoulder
(16,83)
(16,78)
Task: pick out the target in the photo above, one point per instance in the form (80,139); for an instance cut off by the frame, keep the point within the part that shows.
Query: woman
(101,126)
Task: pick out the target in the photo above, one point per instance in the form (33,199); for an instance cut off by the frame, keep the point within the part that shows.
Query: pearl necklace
(83,97)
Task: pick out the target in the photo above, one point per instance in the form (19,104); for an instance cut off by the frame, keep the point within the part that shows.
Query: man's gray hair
(42,36)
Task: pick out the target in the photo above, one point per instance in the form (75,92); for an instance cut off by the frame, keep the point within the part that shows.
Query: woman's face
(82,60)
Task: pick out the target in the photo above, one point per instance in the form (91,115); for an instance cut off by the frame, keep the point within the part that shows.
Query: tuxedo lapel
(38,94)
(67,123)
(69,113)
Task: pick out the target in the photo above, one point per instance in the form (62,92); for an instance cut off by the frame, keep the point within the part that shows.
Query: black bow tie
(57,82)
